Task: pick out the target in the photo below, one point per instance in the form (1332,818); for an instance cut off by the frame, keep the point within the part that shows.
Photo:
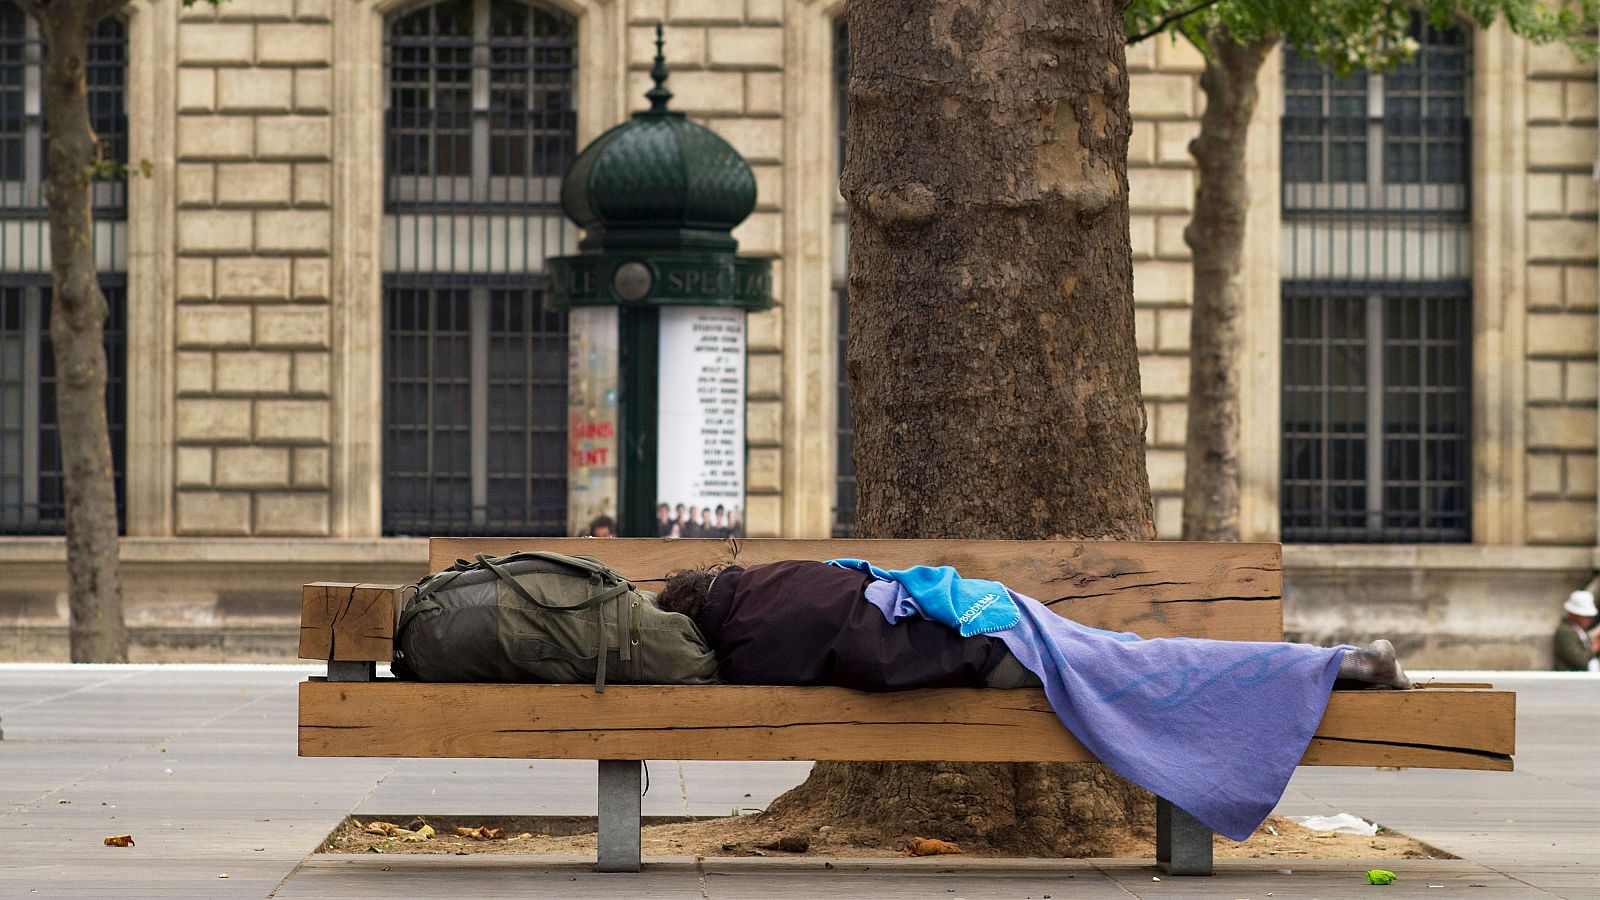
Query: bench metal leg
(1183,845)
(352,671)
(619,815)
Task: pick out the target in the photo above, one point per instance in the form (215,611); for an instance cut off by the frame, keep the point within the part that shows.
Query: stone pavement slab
(199,764)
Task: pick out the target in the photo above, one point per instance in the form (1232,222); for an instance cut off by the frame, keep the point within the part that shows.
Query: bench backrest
(1154,589)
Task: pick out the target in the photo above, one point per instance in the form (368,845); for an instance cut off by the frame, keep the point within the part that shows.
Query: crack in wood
(1442,748)
(1161,600)
(668,729)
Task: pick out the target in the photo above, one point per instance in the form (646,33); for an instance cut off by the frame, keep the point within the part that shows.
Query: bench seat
(1165,589)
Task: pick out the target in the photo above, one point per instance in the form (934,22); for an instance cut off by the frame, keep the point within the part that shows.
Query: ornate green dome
(659,180)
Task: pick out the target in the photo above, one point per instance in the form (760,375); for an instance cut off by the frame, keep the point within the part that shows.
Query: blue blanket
(1215,727)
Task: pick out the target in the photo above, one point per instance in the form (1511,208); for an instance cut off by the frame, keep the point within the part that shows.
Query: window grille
(1377,299)
(480,128)
(32,498)
(844,503)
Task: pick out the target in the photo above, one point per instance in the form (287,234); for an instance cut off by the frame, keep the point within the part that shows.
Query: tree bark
(1216,237)
(993,372)
(77,321)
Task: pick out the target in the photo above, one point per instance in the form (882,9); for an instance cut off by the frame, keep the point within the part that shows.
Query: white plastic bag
(1343,823)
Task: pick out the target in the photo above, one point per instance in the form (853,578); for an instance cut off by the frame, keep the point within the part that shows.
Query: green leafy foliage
(111,170)
(1356,34)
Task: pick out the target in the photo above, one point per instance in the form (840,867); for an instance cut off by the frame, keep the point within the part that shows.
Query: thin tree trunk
(1216,236)
(77,321)
(993,372)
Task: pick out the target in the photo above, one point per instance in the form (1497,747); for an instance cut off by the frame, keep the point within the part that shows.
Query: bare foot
(1375,664)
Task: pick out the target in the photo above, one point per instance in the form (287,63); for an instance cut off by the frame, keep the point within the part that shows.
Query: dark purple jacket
(800,622)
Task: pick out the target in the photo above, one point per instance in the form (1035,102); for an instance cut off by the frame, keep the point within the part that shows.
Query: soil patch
(1277,838)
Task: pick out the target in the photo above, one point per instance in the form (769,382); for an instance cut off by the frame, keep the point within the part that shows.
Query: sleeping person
(809,623)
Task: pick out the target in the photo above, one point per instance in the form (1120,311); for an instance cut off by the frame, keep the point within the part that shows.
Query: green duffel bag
(545,617)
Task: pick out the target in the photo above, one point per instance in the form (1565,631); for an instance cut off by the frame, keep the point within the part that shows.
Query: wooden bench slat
(1226,591)
(1440,728)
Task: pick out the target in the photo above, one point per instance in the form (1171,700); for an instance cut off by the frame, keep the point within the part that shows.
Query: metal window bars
(844,498)
(479,129)
(32,489)
(1377,299)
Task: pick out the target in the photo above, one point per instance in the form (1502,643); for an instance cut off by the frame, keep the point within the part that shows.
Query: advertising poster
(592,422)
(700,463)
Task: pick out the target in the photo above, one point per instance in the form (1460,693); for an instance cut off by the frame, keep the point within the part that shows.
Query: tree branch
(1168,20)
(100,9)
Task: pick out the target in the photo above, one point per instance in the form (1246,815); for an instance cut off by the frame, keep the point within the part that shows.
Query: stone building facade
(265,255)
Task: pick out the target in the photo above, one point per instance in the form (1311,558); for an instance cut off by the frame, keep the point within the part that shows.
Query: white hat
(1580,603)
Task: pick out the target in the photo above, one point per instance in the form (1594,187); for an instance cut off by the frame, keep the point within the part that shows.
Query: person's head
(705,516)
(692,511)
(686,591)
(680,512)
(663,512)
(1580,608)
(720,514)
(603,527)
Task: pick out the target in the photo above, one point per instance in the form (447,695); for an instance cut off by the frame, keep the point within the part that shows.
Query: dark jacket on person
(807,623)
(1572,650)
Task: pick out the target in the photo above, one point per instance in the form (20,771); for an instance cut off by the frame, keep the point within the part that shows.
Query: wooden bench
(1226,591)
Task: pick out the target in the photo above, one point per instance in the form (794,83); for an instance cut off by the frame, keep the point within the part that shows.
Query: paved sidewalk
(198,764)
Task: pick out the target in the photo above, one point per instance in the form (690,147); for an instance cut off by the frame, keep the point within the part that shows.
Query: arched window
(1377,298)
(844,500)
(32,496)
(480,127)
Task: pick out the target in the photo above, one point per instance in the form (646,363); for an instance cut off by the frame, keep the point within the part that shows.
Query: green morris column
(657,299)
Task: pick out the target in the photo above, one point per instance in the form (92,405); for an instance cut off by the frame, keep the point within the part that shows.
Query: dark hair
(605,522)
(686,591)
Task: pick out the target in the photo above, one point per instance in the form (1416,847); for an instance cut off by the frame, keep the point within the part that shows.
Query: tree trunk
(1216,236)
(993,372)
(77,321)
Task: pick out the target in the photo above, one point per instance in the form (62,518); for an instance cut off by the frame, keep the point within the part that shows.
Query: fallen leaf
(385,829)
(482,833)
(790,843)
(918,846)
(1380,876)
(120,840)
(424,833)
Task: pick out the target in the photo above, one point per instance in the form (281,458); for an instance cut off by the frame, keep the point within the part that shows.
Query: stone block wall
(1562,379)
(1164,93)
(252,285)
(726,62)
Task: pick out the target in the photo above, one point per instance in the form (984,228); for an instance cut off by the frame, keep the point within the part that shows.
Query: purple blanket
(1215,727)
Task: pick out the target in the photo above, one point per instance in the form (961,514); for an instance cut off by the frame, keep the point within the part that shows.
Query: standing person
(705,530)
(678,522)
(690,527)
(736,522)
(1575,649)
(721,526)
(663,521)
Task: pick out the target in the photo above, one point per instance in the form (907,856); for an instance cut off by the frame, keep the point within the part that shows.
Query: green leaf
(1380,876)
